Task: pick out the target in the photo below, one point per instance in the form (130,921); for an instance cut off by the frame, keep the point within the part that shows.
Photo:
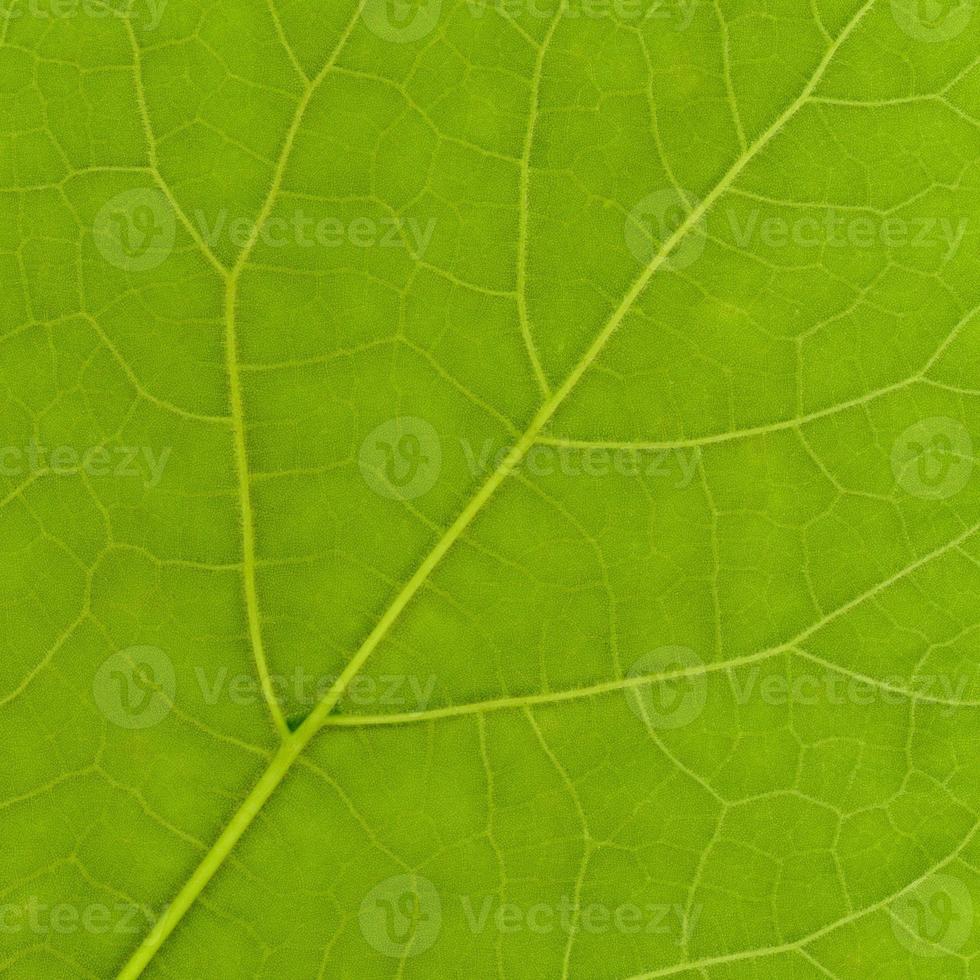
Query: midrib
(295,743)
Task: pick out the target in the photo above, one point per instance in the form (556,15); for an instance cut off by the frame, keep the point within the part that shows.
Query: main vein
(294,744)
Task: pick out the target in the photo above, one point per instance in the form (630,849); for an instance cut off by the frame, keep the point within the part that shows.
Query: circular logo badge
(933,21)
(652,224)
(675,701)
(935,918)
(401,916)
(401,458)
(135,688)
(933,458)
(135,231)
(402,21)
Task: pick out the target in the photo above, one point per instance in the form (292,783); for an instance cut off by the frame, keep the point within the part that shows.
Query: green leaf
(488,489)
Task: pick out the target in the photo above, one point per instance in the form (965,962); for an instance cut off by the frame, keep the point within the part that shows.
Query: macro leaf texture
(488,489)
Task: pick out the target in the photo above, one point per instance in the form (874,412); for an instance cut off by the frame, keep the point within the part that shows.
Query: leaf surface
(489,490)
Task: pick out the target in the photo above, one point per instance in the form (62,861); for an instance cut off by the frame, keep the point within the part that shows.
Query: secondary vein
(246,511)
(249,574)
